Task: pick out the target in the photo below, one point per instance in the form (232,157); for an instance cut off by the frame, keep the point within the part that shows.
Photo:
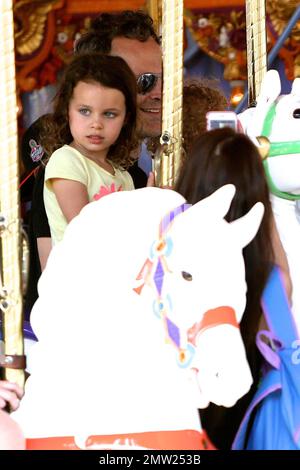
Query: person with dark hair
(198,98)
(128,23)
(90,137)
(39,238)
(217,158)
(131,36)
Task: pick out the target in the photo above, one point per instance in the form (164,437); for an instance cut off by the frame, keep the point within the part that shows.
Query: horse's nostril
(296,113)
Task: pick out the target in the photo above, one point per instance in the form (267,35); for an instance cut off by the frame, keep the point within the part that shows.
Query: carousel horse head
(277,117)
(140,304)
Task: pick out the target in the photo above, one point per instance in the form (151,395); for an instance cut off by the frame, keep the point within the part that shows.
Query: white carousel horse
(142,299)
(278,118)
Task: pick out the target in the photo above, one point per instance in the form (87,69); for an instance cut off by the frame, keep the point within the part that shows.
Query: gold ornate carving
(279,13)
(30,18)
(221,34)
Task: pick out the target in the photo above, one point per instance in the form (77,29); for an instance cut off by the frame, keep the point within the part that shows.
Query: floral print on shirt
(104,190)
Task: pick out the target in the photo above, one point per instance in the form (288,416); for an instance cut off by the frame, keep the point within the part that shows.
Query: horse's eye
(296,113)
(186,276)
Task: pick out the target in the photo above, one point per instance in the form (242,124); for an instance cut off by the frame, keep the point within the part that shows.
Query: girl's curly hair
(110,72)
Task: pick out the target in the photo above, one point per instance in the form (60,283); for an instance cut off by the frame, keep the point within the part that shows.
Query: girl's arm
(44,245)
(71,196)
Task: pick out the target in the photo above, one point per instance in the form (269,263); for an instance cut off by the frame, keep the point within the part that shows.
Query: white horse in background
(277,117)
(137,323)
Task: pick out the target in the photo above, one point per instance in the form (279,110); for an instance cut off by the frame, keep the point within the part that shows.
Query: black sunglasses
(146,82)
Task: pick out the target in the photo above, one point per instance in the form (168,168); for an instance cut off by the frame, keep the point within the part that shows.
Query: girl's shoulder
(64,157)
(65,152)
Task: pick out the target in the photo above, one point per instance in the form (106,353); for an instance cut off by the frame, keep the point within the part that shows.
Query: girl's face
(96,117)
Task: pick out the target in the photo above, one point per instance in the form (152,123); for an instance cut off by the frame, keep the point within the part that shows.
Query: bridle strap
(277,149)
(211,318)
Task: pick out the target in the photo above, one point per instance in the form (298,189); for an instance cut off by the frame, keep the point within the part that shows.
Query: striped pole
(10,233)
(167,163)
(256,47)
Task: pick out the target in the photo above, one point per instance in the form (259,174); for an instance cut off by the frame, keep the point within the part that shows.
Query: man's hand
(151,180)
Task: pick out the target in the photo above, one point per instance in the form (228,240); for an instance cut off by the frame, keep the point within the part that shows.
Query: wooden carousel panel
(199,4)
(97,6)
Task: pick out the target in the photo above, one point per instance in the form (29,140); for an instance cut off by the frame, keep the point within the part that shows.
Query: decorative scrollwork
(30,17)
(221,35)
(279,13)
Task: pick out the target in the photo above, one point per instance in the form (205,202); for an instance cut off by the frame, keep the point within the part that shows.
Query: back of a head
(219,157)
(107,26)
(199,97)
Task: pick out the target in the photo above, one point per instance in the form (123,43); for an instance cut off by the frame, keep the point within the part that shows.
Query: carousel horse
(277,117)
(142,299)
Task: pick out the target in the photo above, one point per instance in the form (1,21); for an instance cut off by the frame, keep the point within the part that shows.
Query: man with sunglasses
(130,35)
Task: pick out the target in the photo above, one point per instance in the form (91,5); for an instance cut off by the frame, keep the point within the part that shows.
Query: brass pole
(10,234)
(154,10)
(167,163)
(256,47)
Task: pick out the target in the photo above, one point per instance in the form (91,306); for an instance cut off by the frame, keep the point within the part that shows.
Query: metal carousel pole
(154,10)
(167,161)
(256,47)
(13,359)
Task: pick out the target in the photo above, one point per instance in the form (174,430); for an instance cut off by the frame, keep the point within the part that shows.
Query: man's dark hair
(107,26)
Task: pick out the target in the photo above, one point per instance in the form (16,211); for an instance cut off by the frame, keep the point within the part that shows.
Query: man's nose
(156,92)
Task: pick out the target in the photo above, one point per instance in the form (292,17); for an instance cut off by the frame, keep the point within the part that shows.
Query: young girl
(219,157)
(90,137)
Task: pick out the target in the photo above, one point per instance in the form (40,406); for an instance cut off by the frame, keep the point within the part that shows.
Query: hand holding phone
(219,119)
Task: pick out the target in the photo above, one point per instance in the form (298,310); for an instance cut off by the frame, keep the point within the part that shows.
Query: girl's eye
(110,114)
(186,276)
(84,111)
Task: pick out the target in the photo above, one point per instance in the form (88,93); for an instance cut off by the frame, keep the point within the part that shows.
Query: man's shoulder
(32,151)
(145,159)
(138,176)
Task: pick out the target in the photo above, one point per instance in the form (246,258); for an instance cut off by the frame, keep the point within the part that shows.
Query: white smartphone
(219,119)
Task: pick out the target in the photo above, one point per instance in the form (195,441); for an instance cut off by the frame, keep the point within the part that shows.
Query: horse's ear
(252,119)
(296,87)
(217,203)
(270,88)
(246,227)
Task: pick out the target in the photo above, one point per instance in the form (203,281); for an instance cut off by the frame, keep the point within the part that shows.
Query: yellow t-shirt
(68,163)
